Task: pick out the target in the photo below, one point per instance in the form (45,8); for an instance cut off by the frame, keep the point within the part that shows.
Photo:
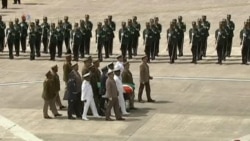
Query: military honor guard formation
(77,38)
(112,87)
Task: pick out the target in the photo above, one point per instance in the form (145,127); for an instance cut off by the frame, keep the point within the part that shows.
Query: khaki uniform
(127,78)
(49,95)
(67,68)
(112,92)
(56,81)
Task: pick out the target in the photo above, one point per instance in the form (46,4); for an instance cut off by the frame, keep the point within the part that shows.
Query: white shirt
(87,91)
(119,85)
(120,65)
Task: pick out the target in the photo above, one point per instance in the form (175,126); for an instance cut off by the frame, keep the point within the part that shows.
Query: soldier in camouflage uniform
(60,37)
(76,38)
(182,27)
(100,37)
(84,38)
(2,34)
(38,30)
(113,27)
(53,41)
(32,41)
(67,29)
(124,38)
(45,34)
(11,34)
(137,27)
(24,33)
(231,26)
(88,26)
(17,36)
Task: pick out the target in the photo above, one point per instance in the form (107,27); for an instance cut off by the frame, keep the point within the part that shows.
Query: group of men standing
(101,90)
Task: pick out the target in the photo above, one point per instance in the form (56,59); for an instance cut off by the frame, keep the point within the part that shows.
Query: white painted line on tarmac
(17,131)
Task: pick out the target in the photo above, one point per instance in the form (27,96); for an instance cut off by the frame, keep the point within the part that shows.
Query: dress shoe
(109,119)
(151,100)
(48,117)
(120,119)
(85,118)
(58,115)
(62,107)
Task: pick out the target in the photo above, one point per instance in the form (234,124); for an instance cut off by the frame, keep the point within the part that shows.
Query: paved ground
(203,102)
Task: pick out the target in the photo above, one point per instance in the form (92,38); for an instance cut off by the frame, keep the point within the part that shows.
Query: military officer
(124,37)
(53,41)
(158,28)
(56,83)
(172,38)
(49,95)
(112,25)
(24,33)
(145,80)
(231,26)
(182,27)
(11,34)
(17,36)
(67,30)
(131,38)
(206,25)
(45,34)
(194,37)
(76,37)
(88,26)
(38,30)
(84,37)
(220,40)
(67,68)
(32,41)
(112,94)
(245,42)
(148,37)
(109,36)
(127,78)
(201,42)
(137,27)
(2,34)
(60,37)
(100,38)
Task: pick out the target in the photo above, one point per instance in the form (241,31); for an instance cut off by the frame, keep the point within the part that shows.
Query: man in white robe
(87,98)
(119,63)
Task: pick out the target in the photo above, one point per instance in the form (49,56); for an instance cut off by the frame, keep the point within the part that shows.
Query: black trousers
(82,49)
(106,48)
(59,48)
(17,1)
(180,45)
(157,48)
(52,51)
(153,50)
(45,44)
(4,3)
(110,46)
(87,45)
(38,47)
(200,50)
(220,52)
(32,51)
(134,46)
(229,46)
(148,91)
(23,43)
(124,50)
(73,108)
(245,53)
(99,50)
(172,51)
(17,46)
(147,50)
(76,51)
(195,52)
(204,49)
(2,42)
(10,46)
(67,44)
(129,48)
